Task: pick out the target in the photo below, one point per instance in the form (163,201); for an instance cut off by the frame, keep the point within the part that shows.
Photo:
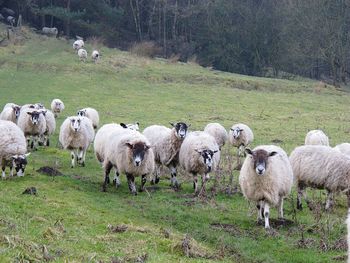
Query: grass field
(67,221)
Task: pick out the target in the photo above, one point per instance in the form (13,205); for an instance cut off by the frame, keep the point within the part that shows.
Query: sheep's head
(131,126)
(19,162)
(75,123)
(35,116)
(81,113)
(16,110)
(57,105)
(181,129)
(207,156)
(260,159)
(138,150)
(236,132)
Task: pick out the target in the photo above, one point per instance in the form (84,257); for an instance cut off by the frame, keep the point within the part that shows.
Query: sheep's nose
(76,129)
(209,169)
(137,163)
(260,170)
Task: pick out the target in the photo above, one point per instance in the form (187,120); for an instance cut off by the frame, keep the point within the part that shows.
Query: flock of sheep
(78,46)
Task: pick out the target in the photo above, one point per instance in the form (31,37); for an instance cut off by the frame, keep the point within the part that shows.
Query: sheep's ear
(273,154)
(189,125)
(44,112)
(27,154)
(240,129)
(137,123)
(123,125)
(147,147)
(29,113)
(215,151)
(129,145)
(172,124)
(248,151)
(197,151)
(231,129)
(14,157)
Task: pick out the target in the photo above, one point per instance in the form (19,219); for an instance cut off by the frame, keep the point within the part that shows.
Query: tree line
(255,37)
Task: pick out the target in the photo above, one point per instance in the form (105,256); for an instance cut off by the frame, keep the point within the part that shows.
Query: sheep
(76,134)
(11,20)
(316,137)
(95,56)
(199,154)
(129,152)
(78,44)
(90,113)
(37,106)
(166,145)
(57,106)
(10,112)
(266,178)
(218,132)
(82,54)
(32,122)
(240,136)
(344,148)
(50,31)
(13,148)
(50,128)
(320,167)
(348,235)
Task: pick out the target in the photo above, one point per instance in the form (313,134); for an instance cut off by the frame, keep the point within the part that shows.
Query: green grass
(70,214)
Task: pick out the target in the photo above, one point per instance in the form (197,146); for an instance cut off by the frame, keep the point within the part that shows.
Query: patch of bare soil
(49,171)
(30,191)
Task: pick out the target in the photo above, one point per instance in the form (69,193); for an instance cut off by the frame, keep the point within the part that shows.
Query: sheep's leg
(11,169)
(143,182)
(155,180)
(82,157)
(348,196)
(260,206)
(107,169)
(3,167)
(267,215)
(195,184)
(329,202)
(116,180)
(72,153)
(203,190)
(280,208)
(173,180)
(131,183)
(301,193)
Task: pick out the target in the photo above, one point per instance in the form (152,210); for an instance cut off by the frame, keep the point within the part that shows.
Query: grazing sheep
(32,122)
(166,145)
(11,20)
(316,137)
(10,112)
(82,54)
(13,148)
(78,44)
(50,128)
(129,152)
(95,56)
(344,148)
(57,106)
(320,167)
(92,114)
(76,134)
(218,132)
(266,178)
(240,136)
(199,154)
(50,31)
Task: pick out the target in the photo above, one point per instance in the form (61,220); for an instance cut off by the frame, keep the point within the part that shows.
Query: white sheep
(50,31)
(320,167)
(316,137)
(78,44)
(82,54)
(57,106)
(36,106)
(95,56)
(33,123)
(199,155)
(13,148)
(76,134)
(166,145)
(344,148)
(90,113)
(266,178)
(240,136)
(10,112)
(128,152)
(50,127)
(218,132)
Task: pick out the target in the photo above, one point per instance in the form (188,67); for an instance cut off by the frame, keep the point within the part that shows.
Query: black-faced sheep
(10,112)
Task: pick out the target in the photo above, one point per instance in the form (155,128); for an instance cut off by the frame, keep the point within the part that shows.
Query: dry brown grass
(145,49)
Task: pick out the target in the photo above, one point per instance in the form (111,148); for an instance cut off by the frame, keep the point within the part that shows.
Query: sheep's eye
(78,121)
(72,121)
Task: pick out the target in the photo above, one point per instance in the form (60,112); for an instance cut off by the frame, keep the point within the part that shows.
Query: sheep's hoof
(134,193)
(83,164)
(152,182)
(141,189)
(156,180)
(299,207)
(104,188)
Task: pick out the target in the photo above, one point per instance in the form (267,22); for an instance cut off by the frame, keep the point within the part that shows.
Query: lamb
(344,148)
(78,44)
(90,113)
(57,106)
(13,148)
(50,31)
(320,167)
(32,122)
(129,152)
(266,178)
(10,112)
(50,127)
(166,145)
(82,54)
(240,136)
(218,132)
(76,134)
(95,55)
(316,137)
(199,154)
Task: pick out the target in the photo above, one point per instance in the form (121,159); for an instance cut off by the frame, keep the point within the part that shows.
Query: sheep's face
(138,152)
(39,106)
(19,162)
(260,159)
(16,110)
(131,126)
(81,113)
(207,156)
(181,129)
(35,116)
(58,105)
(236,132)
(75,123)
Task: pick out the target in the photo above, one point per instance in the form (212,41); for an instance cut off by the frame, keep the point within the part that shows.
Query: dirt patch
(30,191)
(277,141)
(306,243)
(118,228)
(340,244)
(232,229)
(49,171)
(341,258)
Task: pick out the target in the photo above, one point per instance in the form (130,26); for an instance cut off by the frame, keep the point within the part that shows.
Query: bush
(146,49)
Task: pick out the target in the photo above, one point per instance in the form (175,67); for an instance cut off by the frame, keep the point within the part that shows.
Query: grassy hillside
(69,217)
